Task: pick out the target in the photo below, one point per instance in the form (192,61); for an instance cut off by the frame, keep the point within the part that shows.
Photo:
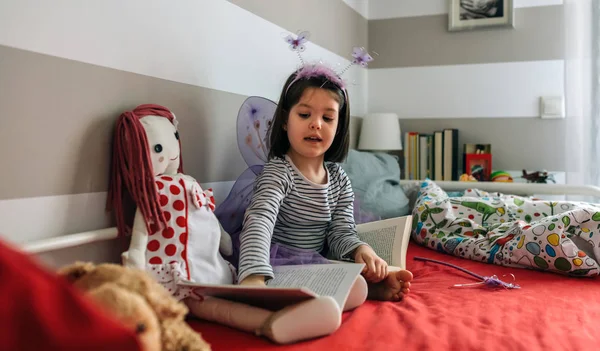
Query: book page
(382,242)
(389,238)
(334,280)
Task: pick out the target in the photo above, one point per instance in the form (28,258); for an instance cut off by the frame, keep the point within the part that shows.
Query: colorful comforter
(509,230)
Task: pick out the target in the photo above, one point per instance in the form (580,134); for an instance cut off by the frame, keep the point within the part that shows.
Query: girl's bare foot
(392,288)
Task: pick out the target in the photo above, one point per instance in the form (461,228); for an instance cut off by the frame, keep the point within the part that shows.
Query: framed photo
(473,14)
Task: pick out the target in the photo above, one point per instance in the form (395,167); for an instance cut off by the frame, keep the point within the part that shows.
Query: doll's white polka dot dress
(187,249)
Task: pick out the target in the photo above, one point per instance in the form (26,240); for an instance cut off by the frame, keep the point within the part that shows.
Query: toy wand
(492,281)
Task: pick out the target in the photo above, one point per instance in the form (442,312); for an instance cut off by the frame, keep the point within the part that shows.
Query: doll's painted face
(163,143)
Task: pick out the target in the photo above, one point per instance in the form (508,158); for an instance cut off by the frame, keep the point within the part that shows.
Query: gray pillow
(375,180)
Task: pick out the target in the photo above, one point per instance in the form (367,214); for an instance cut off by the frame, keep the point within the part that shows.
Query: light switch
(552,107)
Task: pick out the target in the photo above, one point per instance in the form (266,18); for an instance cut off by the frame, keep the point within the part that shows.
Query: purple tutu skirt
(282,255)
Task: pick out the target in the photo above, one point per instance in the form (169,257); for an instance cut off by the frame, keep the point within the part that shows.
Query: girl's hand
(256,280)
(376,269)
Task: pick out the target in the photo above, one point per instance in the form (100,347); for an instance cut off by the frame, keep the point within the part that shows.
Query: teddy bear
(131,310)
(139,302)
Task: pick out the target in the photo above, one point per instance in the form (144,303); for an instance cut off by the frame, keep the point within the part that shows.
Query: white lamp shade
(380,131)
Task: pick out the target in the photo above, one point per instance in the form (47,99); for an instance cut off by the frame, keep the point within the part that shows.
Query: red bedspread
(549,312)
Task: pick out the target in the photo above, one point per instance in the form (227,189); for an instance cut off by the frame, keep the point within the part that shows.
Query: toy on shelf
(538,177)
(501,176)
(478,161)
(467,178)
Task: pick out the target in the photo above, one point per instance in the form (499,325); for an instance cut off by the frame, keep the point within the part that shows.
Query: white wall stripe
(208,43)
(381,9)
(480,90)
(26,219)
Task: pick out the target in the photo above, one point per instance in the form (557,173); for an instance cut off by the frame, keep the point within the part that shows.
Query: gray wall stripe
(426,41)
(57,116)
(333,24)
(517,143)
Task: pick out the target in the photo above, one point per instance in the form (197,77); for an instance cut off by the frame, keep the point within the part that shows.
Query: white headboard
(100,245)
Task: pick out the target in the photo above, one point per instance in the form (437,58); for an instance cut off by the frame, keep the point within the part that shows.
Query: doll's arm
(135,257)
(225,244)
(198,196)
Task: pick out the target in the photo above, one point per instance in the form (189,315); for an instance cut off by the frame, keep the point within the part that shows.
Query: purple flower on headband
(298,43)
(361,57)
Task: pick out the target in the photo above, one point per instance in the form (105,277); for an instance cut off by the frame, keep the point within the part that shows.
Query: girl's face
(163,143)
(312,124)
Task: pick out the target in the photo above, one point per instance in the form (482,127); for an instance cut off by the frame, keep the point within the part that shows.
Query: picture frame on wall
(476,14)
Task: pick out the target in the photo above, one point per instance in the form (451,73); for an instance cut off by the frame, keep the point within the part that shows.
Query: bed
(548,312)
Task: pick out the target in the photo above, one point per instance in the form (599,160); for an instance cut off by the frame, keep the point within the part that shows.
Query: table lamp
(380,132)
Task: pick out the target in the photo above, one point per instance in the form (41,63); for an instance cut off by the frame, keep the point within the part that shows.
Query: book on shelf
(432,155)
(451,168)
(438,155)
(411,155)
(426,164)
(292,284)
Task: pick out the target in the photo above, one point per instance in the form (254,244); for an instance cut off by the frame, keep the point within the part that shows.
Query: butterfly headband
(306,71)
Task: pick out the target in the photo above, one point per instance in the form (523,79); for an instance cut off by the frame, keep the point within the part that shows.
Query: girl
(303,200)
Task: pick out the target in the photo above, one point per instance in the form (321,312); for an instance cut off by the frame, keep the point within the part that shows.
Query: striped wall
(69,68)
(486,83)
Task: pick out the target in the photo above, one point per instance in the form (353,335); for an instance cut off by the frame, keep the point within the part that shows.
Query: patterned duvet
(507,230)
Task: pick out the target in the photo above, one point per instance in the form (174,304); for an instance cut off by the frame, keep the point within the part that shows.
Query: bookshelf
(559,176)
(439,157)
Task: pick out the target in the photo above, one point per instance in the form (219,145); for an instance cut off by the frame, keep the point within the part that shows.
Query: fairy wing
(231,212)
(254,119)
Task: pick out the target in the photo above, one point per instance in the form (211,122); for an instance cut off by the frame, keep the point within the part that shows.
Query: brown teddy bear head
(87,276)
(132,310)
(104,280)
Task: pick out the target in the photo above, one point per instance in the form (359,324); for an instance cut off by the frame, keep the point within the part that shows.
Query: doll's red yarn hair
(132,184)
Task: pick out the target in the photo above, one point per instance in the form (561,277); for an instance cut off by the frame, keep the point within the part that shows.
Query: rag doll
(176,237)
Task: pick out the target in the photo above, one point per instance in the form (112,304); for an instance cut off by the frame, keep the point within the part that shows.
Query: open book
(292,284)
(389,238)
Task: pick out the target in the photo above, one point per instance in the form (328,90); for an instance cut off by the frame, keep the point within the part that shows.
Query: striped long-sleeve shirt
(289,209)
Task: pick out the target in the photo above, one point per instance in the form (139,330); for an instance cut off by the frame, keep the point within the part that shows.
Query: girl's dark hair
(279,143)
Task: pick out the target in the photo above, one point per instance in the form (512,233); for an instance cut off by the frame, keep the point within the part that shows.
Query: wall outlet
(552,107)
